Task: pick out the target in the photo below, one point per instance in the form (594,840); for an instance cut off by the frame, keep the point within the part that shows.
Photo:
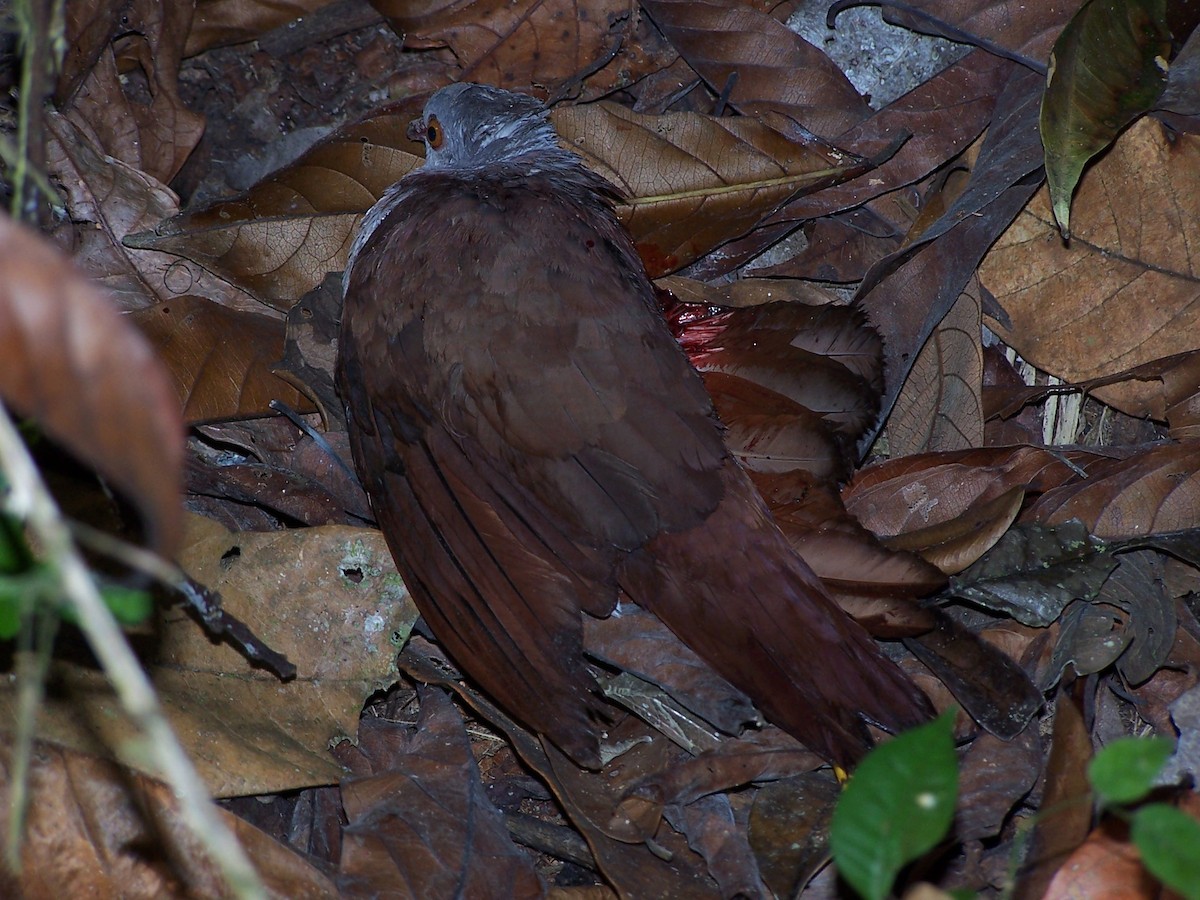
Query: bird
(537,448)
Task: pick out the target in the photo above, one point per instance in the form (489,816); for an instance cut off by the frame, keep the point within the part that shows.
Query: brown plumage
(534,441)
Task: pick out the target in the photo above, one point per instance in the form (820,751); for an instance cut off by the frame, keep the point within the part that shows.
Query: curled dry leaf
(156,136)
(220,359)
(902,495)
(89,379)
(108,200)
(536,45)
(767,69)
(97,830)
(956,543)
(1128,280)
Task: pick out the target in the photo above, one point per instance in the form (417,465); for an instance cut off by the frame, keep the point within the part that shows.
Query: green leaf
(10,616)
(1169,841)
(898,805)
(129,606)
(1107,68)
(1124,770)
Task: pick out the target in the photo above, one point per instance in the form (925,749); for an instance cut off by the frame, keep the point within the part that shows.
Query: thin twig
(29,500)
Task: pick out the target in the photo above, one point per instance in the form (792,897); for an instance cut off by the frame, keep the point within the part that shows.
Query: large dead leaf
(216,23)
(693,182)
(764,68)
(107,200)
(1124,290)
(96,830)
(88,378)
(328,598)
(1151,492)
(154,134)
(536,45)
(902,495)
(220,359)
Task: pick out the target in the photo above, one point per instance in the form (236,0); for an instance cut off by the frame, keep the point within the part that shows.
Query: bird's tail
(736,593)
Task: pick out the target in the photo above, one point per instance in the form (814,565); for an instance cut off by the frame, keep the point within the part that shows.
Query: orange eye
(434,136)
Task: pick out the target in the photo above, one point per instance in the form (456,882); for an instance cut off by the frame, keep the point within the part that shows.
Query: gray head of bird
(470,126)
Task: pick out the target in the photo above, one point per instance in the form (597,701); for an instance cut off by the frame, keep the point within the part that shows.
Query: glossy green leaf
(1169,842)
(898,805)
(1124,770)
(1107,68)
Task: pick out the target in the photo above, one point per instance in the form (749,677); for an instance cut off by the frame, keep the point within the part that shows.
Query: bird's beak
(416,130)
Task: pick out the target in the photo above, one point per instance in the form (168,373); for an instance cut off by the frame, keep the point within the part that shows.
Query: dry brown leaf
(956,543)
(536,45)
(1154,491)
(913,492)
(280,238)
(217,23)
(767,69)
(107,200)
(88,379)
(96,830)
(220,359)
(1105,867)
(155,137)
(328,598)
(420,817)
(940,406)
(693,182)
(1125,290)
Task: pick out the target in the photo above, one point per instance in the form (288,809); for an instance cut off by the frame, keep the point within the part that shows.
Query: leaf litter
(1064,567)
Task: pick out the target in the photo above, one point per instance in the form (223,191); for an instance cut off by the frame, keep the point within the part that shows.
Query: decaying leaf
(88,378)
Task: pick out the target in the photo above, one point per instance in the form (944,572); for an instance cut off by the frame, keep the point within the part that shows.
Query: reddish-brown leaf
(1155,491)
(89,379)
(902,495)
